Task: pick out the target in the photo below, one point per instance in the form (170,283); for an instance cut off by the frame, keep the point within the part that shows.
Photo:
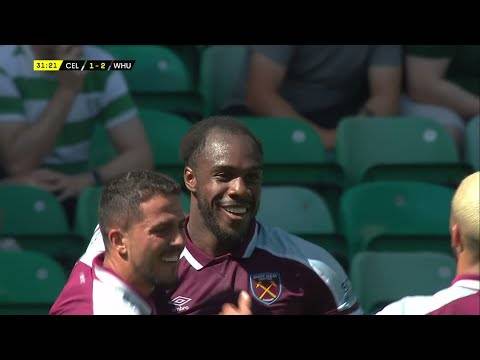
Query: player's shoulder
(92,52)
(445,299)
(409,305)
(110,300)
(316,259)
(282,244)
(76,296)
(112,296)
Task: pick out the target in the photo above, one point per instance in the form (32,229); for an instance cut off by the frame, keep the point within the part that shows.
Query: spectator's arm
(385,85)
(134,153)
(263,84)
(427,84)
(125,129)
(24,145)
(134,150)
(263,95)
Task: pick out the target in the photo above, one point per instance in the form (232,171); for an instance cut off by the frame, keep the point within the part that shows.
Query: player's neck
(467,266)
(128,275)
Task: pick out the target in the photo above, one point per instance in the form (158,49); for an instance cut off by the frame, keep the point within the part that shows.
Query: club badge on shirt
(266,287)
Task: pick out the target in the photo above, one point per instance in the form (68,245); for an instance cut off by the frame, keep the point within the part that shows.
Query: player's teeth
(237,210)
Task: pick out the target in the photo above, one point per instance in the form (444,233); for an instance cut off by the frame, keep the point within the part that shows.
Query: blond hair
(465,212)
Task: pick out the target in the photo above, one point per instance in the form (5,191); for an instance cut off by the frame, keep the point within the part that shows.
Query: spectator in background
(443,83)
(463,297)
(47,121)
(319,84)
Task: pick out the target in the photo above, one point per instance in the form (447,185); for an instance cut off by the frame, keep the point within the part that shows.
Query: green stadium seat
(190,55)
(379,279)
(86,215)
(402,148)
(219,71)
(165,132)
(159,79)
(396,216)
(294,155)
(302,212)
(472,154)
(34,220)
(29,282)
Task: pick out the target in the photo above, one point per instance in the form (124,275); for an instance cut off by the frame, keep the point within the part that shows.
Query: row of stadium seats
(162,80)
(368,149)
(378,216)
(166,79)
(400,148)
(31,281)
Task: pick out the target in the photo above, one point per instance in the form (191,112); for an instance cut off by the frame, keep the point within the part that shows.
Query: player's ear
(456,238)
(117,241)
(190,179)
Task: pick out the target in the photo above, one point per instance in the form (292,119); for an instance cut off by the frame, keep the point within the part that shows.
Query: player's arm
(263,93)
(427,84)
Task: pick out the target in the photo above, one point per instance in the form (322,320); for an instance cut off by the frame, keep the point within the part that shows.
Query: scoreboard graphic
(83,65)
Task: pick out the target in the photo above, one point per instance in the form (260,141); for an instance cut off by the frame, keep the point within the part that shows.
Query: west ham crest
(266,287)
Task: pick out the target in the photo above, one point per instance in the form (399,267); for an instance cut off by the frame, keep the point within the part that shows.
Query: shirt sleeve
(337,285)
(386,55)
(280,54)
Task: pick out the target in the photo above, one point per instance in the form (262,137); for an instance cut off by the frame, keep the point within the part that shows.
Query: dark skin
(225,183)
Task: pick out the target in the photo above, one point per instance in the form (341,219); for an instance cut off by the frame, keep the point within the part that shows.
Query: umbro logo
(179,302)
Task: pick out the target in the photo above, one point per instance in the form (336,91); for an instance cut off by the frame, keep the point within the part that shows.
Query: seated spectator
(47,120)
(463,297)
(443,83)
(319,83)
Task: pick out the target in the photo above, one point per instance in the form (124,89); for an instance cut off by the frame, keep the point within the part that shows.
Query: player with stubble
(228,251)
(232,263)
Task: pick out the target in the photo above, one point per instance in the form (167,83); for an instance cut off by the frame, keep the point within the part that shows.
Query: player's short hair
(465,212)
(193,143)
(121,198)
